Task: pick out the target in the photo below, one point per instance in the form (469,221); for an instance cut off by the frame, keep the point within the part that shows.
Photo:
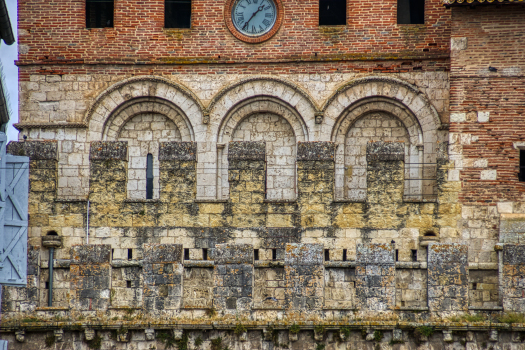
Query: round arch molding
(261,104)
(277,90)
(118,96)
(145,105)
(396,90)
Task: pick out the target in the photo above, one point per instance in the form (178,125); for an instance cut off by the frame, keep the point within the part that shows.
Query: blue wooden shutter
(14,191)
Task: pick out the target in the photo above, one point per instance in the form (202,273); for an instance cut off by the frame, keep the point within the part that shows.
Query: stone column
(385,183)
(304,277)
(178,182)
(315,182)
(247,176)
(447,277)
(513,279)
(163,272)
(233,277)
(108,183)
(375,275)
(90,274)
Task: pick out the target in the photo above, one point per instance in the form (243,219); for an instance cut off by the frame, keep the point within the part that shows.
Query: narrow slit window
(414,255)
(177,14)
(149,177)
(332,12)
(204,254)
(128,284)
(274,254)
(186,254)
(344,255)
(522,165)
(99,13)
(130,254)
(326,255)
(410,11)
(256,254)
(397,254)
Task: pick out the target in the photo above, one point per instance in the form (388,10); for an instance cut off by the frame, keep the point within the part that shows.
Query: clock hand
(259,9)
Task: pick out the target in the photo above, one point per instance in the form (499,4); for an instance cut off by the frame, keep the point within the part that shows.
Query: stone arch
(116,96)
(147,105)
(420,146)
(261,104)
(379,86)
(287,93)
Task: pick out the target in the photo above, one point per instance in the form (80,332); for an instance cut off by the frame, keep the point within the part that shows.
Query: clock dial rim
(250,38)
(274,21)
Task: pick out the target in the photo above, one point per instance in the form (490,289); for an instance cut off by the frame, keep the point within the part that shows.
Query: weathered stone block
(247,150)
(385,151)
(183,151)
(35,150)
(109,150)
(513,279)
(315,151)
(448,277)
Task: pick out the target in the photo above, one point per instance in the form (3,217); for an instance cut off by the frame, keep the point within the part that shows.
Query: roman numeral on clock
(266,22)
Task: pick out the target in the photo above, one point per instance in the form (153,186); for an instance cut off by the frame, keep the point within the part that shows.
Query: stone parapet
(315,151)
(448,277)
(385,151)
(513,278)
(376,276)
(247,150)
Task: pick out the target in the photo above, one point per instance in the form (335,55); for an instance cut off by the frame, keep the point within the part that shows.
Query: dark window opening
(397,254)
(256,254)
(326,255)
(414,254)
(128,284)
(130,254)
(274,254)
(332,12)
(410,11)
(204,254)
(186,254)
(112,253)
(47,285)
(474,286)
(522,165)
(99,13)
(149,177)
(52,233)
(344,255)
(177,14)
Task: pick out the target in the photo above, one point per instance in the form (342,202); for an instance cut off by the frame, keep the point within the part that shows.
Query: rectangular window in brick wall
(177,14)
(99,13)
(332,12)
(522,165)
(410,11)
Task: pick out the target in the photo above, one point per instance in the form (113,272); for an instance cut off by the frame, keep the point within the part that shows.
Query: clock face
(254,17)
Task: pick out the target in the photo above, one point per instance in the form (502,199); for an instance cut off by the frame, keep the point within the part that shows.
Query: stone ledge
(198,263)
(126,263)
(141,200)
(247,150)
(35,150)
(183,151)
(108,150)
(316,151)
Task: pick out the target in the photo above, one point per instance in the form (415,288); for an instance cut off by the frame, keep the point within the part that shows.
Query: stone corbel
(319,116)
(59,335)
(89,334)
(20,336)
(150,334)
(206,117)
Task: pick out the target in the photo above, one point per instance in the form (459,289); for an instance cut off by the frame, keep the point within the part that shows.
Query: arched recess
(394,98)
(116,96)
(272,88)
(268,119)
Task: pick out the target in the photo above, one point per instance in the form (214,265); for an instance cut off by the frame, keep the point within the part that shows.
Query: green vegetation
(170,342)
(319,329)
(216,344)
(345,331)
(50,340)
(378,335)
(198,341)
(95,343)
(511,317)
(294,329)
(424,331)
(320,346)
(239,329)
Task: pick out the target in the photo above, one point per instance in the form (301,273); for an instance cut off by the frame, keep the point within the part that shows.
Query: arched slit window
(149,176)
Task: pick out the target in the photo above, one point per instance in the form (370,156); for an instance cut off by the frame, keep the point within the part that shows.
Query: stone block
(247,150)
(109,150)
(162,253)
(35,150)
(184,151)
(316,151)
(385,151)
